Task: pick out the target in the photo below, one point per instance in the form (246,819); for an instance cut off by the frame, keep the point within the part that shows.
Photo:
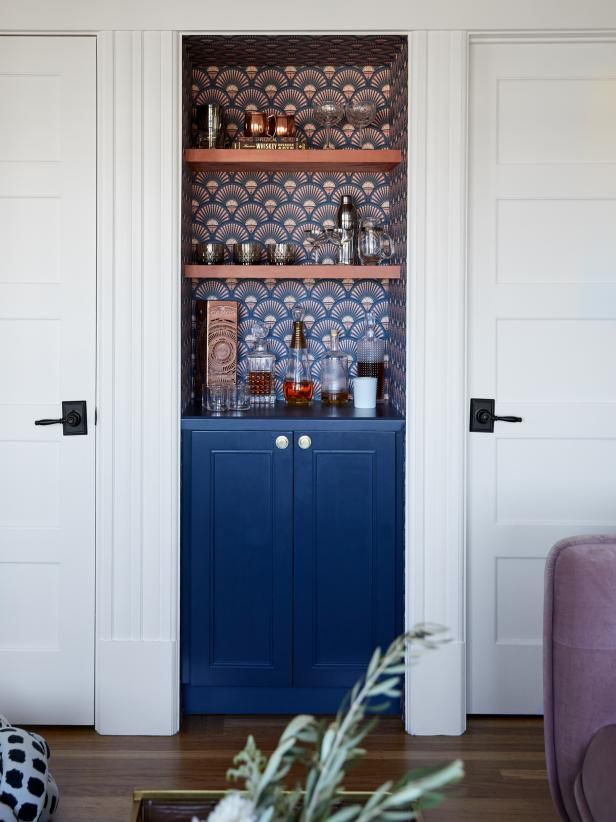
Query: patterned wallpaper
(398,225)
(291,50)
(295,90)
(234,207)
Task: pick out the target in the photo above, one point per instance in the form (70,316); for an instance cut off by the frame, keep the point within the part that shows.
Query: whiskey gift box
(216,345)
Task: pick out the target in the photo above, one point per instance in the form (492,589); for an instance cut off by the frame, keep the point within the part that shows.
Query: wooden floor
(505,767)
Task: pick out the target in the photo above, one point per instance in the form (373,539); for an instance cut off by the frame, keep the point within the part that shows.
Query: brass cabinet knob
(304,441)
(282,442)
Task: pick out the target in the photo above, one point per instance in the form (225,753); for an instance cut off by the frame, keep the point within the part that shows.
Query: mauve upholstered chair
(579,677)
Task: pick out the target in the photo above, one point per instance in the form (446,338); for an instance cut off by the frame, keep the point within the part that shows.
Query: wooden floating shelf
(325,159)
(293,272)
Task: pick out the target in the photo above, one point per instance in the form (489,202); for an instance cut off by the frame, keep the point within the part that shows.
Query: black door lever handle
(483,416)
(74,419)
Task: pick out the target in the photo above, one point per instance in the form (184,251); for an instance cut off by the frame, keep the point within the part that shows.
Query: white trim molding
(137,670)
(436,383)
(247,17)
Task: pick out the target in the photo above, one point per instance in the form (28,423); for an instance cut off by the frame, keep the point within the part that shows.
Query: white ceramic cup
(364,392)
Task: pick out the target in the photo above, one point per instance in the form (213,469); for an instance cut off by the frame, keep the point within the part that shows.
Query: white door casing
(137,580)
(542,332)
(47,354)
(436,389)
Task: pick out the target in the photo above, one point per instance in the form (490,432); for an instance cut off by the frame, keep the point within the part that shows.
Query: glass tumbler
(215,398)
(238,397)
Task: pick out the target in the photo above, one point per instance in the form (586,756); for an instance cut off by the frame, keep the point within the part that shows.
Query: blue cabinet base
(207,700)
(292,569)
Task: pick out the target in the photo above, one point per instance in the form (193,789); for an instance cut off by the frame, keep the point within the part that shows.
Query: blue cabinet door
(345,554)
(237,559)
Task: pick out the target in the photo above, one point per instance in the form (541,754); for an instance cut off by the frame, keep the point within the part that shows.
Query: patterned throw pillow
(27,789)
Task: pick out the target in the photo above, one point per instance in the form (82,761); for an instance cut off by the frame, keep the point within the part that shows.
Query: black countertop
(280,414)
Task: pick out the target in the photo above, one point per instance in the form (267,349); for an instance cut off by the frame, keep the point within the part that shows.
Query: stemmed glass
(360,114)
(328,113)
(316,238)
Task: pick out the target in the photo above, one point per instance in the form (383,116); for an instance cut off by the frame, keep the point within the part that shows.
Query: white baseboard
(436,693)
(137,688)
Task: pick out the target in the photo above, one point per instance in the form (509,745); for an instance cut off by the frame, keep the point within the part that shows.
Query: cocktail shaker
(347,221)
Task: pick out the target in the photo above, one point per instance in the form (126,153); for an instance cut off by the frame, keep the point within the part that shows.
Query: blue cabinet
(238,574)
(345,555)
(291,558)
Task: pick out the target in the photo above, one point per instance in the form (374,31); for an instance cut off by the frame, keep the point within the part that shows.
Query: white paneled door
(542,339)
(47,355)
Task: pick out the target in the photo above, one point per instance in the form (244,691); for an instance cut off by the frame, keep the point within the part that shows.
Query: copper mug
(258,124)
(281,125)
(255,123)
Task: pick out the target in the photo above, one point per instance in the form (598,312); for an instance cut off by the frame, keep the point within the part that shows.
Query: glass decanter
(261,368)
(334,375)
(298,386)
(371,356)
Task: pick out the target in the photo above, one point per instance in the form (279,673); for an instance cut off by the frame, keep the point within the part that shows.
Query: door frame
(436,377)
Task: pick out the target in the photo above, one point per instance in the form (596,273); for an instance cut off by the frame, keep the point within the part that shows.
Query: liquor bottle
(334,375)
(347,222)
(261,368)
(298,386)
(371,356)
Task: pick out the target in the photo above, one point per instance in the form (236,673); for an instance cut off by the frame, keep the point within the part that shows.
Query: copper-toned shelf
(293,272)
(325,159)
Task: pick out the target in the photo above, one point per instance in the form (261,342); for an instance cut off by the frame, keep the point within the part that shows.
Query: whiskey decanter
(261,368)
(371,356)
(298,385)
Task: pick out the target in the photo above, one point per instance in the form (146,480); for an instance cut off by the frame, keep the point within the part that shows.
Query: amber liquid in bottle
(298,393)
(260,383)
(334,397)
(373,369)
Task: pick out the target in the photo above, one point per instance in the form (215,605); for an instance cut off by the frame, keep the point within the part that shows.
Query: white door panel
(47,354)
(542,329)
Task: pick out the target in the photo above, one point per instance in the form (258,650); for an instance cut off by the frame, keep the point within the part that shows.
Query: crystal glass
(328,113)
(374,243)
(215,398)
(261,368)
(247,253)
(334,375)
(210,253)
(360,113)
(281,253)
(238,397)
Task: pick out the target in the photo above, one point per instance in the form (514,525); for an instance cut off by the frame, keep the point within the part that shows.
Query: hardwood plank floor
(505,767)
